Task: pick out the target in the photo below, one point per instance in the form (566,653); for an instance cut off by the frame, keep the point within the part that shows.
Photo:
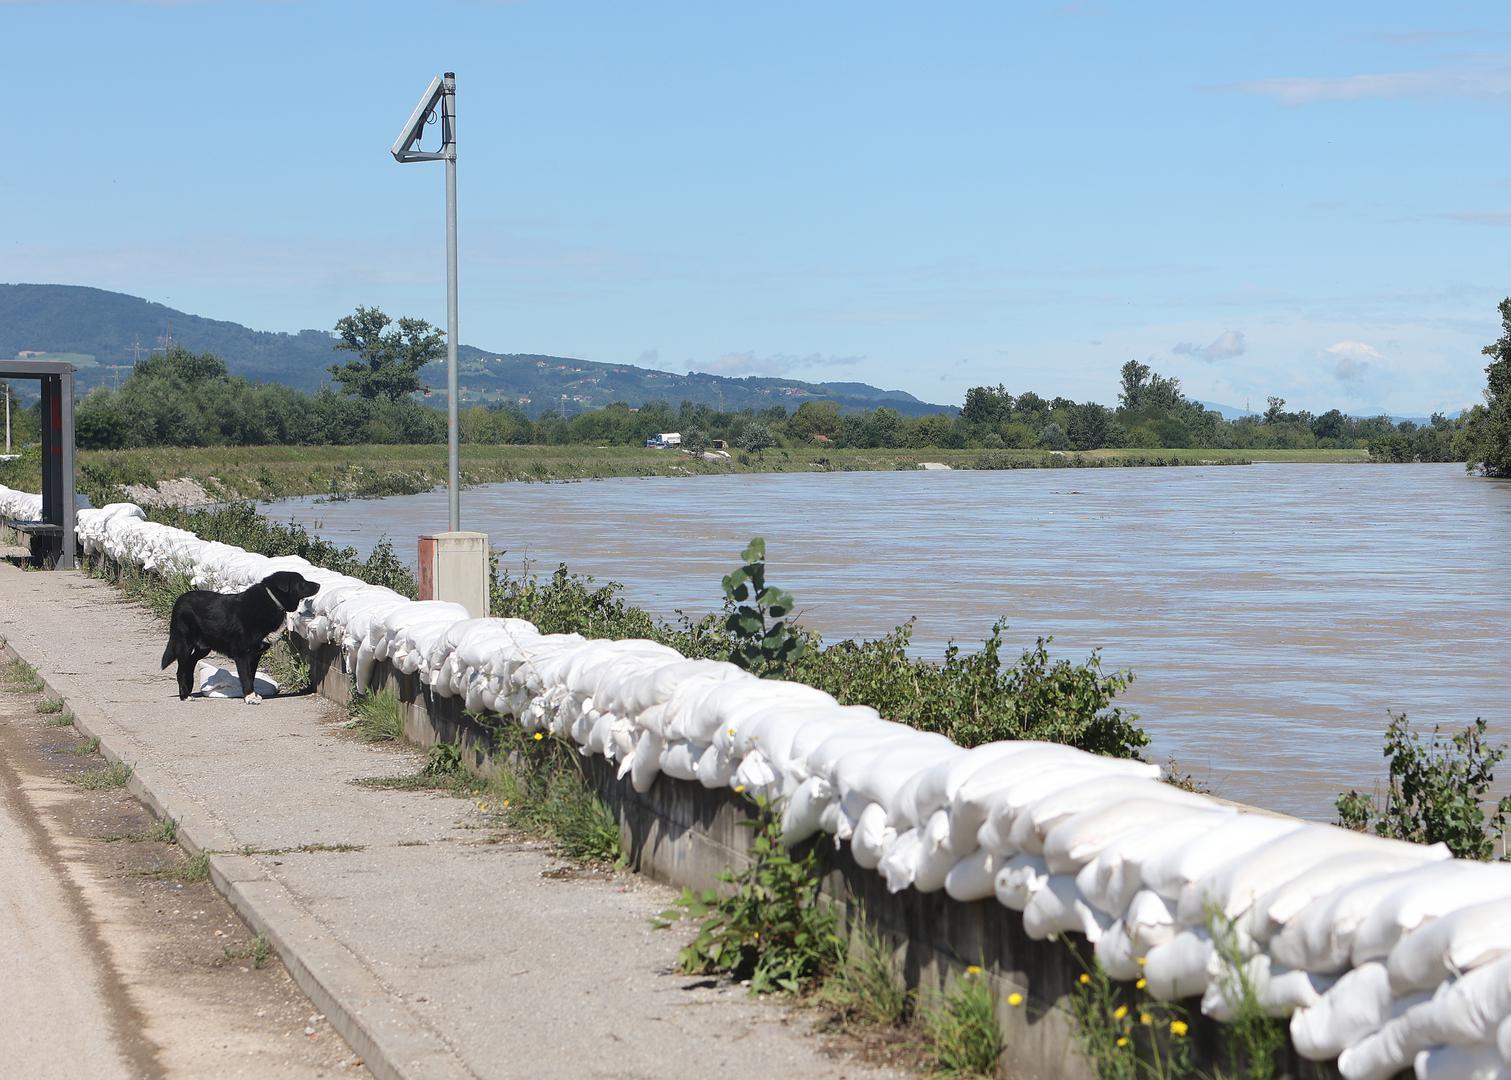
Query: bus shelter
(52,536)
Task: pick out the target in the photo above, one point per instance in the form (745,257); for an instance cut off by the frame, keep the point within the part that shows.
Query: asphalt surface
(438,945)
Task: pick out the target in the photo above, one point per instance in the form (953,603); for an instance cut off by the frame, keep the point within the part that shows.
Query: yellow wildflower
(1085,979)
(1120,1012)
(1123,1041)
(1179,1027)
(731,733)
(1015,999)
(739,789)
(1141,984)
(973,970)
(539,736)
(1141,961)
(1145,1019)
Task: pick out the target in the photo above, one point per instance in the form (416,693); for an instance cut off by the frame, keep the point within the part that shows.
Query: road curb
(392,1042)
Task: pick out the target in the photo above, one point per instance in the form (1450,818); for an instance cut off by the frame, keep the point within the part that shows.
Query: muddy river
(1271,613)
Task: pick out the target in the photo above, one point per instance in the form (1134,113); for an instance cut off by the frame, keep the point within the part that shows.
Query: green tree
(388,361)
(1490,428)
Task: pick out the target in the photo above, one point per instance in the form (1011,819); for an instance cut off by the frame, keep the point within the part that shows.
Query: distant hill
(104,331)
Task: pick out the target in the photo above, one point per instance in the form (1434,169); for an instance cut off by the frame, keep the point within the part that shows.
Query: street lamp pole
(441,95)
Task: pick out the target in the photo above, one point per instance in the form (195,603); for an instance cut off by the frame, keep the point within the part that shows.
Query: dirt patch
(194,993)
(181,492)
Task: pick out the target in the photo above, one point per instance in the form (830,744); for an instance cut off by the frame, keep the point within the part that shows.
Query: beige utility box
(454,567)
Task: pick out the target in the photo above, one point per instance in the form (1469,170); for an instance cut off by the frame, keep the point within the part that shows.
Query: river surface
(1272,613)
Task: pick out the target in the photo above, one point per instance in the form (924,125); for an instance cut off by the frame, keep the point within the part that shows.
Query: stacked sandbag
(1384,955)
(19,505)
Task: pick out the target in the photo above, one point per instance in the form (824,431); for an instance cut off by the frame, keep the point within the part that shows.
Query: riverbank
(274,472)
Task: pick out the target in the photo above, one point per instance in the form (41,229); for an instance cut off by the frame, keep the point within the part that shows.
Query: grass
(867,988)
(290,672)
(20,677)
(272,472)
(164,832)
(379,716)
(60,720)
(542,790)
(258,950)
(112,776)
(50,706)
(302,849)
(189,871)
(85,747)
(961,1032)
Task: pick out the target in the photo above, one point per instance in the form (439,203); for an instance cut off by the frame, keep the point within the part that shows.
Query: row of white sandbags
(1075,842)
(19,505)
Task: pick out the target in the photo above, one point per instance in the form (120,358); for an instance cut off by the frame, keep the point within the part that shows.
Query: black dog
(237,625)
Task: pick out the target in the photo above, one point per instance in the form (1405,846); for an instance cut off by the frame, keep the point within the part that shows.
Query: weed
(1438,791)
(770,927)
(758,616)
(165,831)
(258,950)
(867,985)
(1254,1038)
(115,775)
(21,677)
(189,871)
(542,789)
(961,1030)
(85,747)
(1125,1036)
(50,706)
(288,670)
(302,849)
(379,716)
(60,720)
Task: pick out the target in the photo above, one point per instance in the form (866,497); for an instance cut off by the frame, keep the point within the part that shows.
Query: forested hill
(103,331)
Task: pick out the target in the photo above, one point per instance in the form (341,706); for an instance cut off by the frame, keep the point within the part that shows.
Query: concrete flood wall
(683,834)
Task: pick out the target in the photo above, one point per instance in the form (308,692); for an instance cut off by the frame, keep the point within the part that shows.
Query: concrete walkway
(435,950)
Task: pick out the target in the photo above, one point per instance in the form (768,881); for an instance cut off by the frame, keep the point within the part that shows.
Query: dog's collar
(273,598)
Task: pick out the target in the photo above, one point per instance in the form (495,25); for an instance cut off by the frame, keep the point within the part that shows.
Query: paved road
(57,1020)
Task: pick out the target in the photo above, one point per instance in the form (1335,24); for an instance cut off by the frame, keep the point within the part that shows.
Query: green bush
(1437,793)
(963,1037)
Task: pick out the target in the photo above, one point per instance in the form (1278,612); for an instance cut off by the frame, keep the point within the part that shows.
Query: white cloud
(1225,346)
(1490,82)
(748,363)
(1351,360)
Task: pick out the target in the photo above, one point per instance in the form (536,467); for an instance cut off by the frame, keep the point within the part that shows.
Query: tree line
(187,399)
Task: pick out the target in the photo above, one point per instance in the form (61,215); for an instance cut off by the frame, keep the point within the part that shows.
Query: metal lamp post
(442,93)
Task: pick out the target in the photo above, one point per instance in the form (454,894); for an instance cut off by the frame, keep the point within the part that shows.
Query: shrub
(1437,793)
(770,928)
(963,1036)
(757,619)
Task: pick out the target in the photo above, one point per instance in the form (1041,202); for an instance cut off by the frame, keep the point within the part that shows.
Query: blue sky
(1310,200)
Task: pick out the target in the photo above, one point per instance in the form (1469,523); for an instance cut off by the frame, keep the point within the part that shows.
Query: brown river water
(1271,613)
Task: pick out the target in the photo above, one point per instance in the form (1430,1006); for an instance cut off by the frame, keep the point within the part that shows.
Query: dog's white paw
(254,698)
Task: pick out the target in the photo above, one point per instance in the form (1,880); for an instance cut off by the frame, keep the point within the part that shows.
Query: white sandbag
(1358,1004)
(900,862)
(646,762)
(935,856)
(213,681)
(1059,908)
(881,775)
(1018,878)
(1461,1063)
(872,834)
(1273,910)
(935,787)
(1452,885)
(1111,879)
(1234,885)
(868,736)
(1148,921)
(1278,991)
(1168,873)
(802,815)
(1181,967)
(1321,937)
(1005,786)
(1033,823)
(1457,942)
(1117,954)
(1079,838)
(678,760)
(973,877)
